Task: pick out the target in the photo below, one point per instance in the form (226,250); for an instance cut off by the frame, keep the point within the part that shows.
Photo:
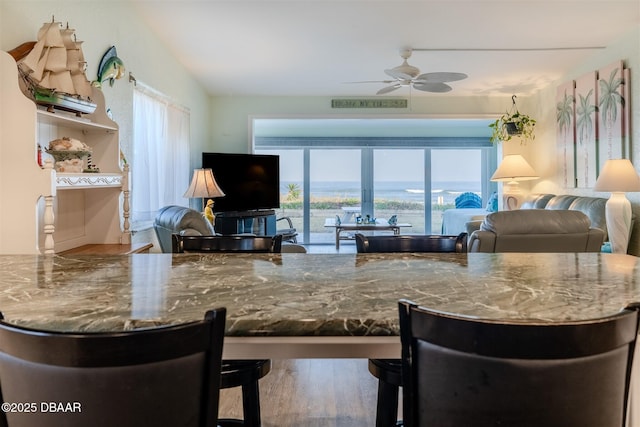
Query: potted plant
(513,123)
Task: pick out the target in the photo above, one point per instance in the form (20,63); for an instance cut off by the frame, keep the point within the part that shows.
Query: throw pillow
(492,204)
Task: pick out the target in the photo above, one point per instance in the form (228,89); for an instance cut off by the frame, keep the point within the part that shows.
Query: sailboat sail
(55,70)
(32,60)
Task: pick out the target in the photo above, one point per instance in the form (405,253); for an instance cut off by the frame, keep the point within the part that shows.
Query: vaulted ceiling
(315,47)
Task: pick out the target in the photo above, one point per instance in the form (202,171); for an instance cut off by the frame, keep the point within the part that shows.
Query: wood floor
(312,393)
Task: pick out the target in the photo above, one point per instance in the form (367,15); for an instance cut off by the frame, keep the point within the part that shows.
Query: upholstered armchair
(179,220)
(536,230)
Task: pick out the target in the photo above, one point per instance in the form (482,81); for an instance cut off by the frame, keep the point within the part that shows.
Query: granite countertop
(309,294)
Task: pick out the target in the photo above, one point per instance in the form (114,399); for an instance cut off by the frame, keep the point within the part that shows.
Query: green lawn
(322,209)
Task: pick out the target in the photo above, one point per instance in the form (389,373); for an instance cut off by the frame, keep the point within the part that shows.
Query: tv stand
(258,222)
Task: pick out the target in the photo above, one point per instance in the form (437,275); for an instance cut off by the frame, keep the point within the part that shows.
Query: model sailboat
(54,71)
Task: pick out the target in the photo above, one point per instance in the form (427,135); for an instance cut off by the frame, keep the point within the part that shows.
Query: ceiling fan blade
(432,87)
(400,75)
(440,77)
(371,81)
(388,89)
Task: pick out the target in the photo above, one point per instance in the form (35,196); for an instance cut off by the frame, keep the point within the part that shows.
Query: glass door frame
(367,181)
(367,144)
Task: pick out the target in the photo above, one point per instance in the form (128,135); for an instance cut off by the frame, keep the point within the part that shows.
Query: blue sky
(390,165)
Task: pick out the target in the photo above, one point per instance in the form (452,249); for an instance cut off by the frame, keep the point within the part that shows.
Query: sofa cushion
(536,201)
(560,202)
(536,221)
(593,207)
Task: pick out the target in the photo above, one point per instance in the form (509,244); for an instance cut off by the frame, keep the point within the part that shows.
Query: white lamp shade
(514,168)
(618,175)
(203,184)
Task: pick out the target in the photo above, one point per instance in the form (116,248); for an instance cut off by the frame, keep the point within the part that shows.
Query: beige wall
(101,24)
(231,116)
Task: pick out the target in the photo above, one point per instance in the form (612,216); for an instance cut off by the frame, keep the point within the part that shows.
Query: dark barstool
(245,374)
(236,373)
(389,375)
(159,376)
(389,371)
(514,373)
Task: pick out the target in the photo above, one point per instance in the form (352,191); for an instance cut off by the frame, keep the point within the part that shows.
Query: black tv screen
(249,181)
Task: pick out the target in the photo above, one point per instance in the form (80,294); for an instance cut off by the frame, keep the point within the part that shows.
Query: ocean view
(443,192)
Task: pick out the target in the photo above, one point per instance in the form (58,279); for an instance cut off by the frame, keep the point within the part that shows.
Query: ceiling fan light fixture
(403,71)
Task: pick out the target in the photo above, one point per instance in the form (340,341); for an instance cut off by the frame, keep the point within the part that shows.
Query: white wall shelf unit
(43,211)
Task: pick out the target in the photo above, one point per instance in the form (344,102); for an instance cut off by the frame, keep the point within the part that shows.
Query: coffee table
(378,226)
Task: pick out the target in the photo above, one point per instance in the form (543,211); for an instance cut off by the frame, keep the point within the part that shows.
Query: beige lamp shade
(203,184)
(514,168)
(618,175)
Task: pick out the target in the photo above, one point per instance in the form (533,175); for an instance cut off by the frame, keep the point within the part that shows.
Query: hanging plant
(513,123)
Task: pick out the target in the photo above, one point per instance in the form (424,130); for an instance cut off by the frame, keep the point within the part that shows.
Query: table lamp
(618,176)
(513,168)
(204,185)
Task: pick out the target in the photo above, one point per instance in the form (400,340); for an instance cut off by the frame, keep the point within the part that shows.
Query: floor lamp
(204,185)
(512,169)
(618,176)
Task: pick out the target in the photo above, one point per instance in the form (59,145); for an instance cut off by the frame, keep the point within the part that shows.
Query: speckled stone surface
(309,294)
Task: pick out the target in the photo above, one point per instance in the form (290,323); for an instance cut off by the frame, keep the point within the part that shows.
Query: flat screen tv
(249,181)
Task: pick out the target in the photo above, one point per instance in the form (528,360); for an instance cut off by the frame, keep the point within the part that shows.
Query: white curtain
(160,163)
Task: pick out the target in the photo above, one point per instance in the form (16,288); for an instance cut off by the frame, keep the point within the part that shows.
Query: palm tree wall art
(611,103)
(626,115)
(592,123)
(566,131)
(586,103)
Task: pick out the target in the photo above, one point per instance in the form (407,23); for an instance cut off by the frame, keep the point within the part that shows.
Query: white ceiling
(313,47)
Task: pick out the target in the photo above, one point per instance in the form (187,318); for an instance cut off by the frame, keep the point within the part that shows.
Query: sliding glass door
(342,177)
(453,172)
(398,186)
(294,187)
(335,190)
(416,185)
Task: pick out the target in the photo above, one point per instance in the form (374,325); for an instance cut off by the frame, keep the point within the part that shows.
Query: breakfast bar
(310,305)
(343,297)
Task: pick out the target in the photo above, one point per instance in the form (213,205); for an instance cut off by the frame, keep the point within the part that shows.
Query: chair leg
(244,373)
(387,406)
(251,404)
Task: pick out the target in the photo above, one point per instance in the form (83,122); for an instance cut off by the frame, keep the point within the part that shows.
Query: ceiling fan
(408,75)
